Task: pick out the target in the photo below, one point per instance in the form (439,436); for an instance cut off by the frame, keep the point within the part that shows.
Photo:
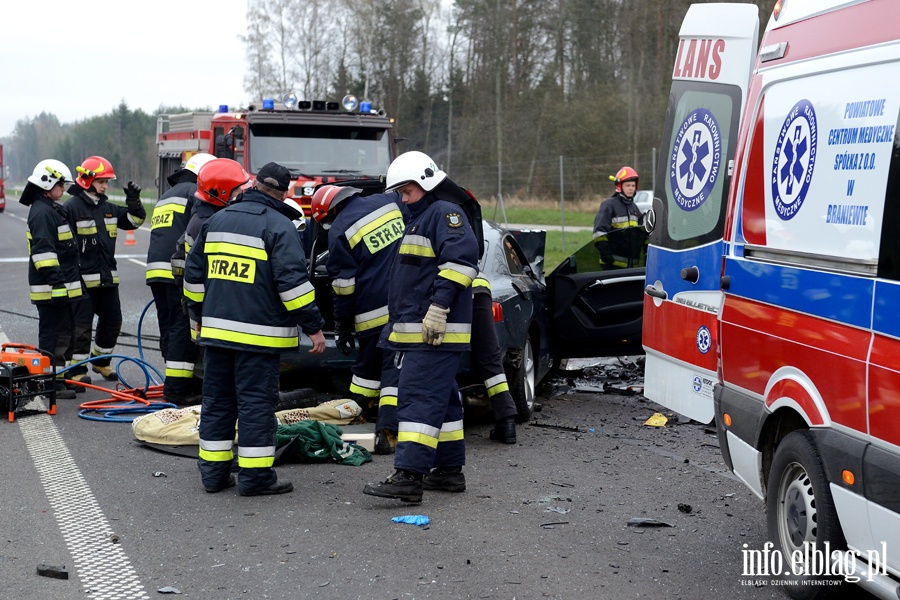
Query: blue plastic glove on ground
(419,520)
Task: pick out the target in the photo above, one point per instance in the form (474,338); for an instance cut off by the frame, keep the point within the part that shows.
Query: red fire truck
(318,141)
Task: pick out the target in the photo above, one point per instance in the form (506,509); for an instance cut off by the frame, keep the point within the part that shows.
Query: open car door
(687,221)
(597,312)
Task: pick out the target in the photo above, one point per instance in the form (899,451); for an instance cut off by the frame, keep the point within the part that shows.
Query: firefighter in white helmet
(167,224)
(429,326)
(53,276)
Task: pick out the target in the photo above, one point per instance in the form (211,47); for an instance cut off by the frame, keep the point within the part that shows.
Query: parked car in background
(578,311)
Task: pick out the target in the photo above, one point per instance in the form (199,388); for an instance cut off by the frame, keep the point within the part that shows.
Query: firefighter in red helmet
(97,223)
(617,214)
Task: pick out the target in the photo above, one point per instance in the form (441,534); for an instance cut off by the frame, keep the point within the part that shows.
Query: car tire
(521,380)
(800,510)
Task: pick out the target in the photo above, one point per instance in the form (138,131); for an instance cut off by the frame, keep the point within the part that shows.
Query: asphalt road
(545,518)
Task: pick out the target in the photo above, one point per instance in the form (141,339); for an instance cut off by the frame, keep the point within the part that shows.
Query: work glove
(607,259)
(132,194)
(343,335)
(434,325)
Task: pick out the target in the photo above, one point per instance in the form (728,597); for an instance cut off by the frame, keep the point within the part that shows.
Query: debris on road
(685,508)
(656,420)
(168,590)
(54,571)
(420,520)
(641,522)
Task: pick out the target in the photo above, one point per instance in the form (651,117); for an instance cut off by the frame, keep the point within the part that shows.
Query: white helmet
(414,167)
(198,160)
(49,172)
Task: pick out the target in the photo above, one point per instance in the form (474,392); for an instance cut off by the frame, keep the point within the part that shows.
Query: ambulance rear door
(683,295)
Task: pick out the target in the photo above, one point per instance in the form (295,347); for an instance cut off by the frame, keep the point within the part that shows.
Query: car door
(596,312)
(683,295)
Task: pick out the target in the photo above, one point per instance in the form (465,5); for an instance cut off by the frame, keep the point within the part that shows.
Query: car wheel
(801,515)
(521,381)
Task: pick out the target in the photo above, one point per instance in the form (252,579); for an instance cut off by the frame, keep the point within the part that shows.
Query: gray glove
(434,325)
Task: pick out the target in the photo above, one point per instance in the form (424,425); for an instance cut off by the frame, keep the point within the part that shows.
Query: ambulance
(773,276)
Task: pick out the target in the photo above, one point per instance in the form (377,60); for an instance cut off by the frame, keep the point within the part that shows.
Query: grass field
(559,244)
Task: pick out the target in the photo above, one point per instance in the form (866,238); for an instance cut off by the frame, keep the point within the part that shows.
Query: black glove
(607,259)
(132,193)
(343,335)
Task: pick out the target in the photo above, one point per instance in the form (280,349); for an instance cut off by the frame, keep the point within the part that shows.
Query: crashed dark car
(578,311)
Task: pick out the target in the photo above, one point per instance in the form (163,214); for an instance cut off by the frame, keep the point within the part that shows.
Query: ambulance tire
(800,509)
(520,375)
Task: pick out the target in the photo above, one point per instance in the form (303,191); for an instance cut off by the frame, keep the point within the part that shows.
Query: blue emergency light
(223,108)
(268,104)
(365,106)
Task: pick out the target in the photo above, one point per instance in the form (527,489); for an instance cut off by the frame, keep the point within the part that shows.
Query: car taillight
(497,309)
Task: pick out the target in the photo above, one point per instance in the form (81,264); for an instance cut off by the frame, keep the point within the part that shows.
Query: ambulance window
(701,129)
(889,255)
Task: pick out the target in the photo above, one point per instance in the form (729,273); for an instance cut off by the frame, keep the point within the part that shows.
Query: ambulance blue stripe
(887,299)
(662,263)
(841,298)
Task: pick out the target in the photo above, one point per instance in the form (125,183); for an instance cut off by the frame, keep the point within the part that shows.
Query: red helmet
(624,174)
(327,197)
(93,167)
(218,179)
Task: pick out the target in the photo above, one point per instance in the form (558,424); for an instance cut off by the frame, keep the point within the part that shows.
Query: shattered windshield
(320,149)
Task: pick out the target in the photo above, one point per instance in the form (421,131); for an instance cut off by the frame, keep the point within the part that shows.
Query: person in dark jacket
(618,213)
(246,283)
(363,236)
(429,326)
(97,224)
(53,277)
(167,224)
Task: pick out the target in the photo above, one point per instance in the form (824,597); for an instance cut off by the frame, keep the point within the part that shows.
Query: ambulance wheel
(520,377)
(801,515)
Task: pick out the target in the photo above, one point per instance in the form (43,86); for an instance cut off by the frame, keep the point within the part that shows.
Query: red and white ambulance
(773,274)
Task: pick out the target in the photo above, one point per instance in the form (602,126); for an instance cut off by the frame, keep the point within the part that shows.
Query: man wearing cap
(245,282)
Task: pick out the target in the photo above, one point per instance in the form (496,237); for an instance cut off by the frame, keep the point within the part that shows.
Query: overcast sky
(80,58)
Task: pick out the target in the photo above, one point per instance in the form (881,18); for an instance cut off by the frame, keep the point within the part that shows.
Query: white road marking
(137,262)
(100,564)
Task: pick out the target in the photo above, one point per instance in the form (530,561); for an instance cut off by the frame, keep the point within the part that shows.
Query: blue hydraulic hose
(140,326)
(146,367)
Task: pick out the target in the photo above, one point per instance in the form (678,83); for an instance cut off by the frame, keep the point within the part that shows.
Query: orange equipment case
(25,373)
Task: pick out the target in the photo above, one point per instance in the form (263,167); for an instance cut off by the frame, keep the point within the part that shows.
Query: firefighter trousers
(486,358)
(56,331)
(387,400)
(429,411)
(103,302)
(366,379)
(178,350)
(240,386)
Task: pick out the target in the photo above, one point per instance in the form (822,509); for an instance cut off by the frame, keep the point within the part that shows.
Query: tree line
(496,91)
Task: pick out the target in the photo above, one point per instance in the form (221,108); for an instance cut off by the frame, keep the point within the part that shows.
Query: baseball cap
(274,176)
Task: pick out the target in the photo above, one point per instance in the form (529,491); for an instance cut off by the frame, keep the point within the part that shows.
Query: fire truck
(318,141)
(2,190)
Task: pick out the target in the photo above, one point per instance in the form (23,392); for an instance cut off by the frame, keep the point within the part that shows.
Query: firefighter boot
(445,479)
(279,487)
(80,378)
(106,371)
(385,442)
(504,431)
(403,485)
(215,489)
(62,392)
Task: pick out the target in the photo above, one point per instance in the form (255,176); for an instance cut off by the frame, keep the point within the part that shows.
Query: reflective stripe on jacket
(167,224)
(362,243)
(437,261)
(53,265)
(245,278)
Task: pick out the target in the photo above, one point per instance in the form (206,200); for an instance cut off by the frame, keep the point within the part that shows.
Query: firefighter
(167,224)
(617,213)
(53,276)
(97,223)
(488,362)
(246,284)
(430,315)
(363,236)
